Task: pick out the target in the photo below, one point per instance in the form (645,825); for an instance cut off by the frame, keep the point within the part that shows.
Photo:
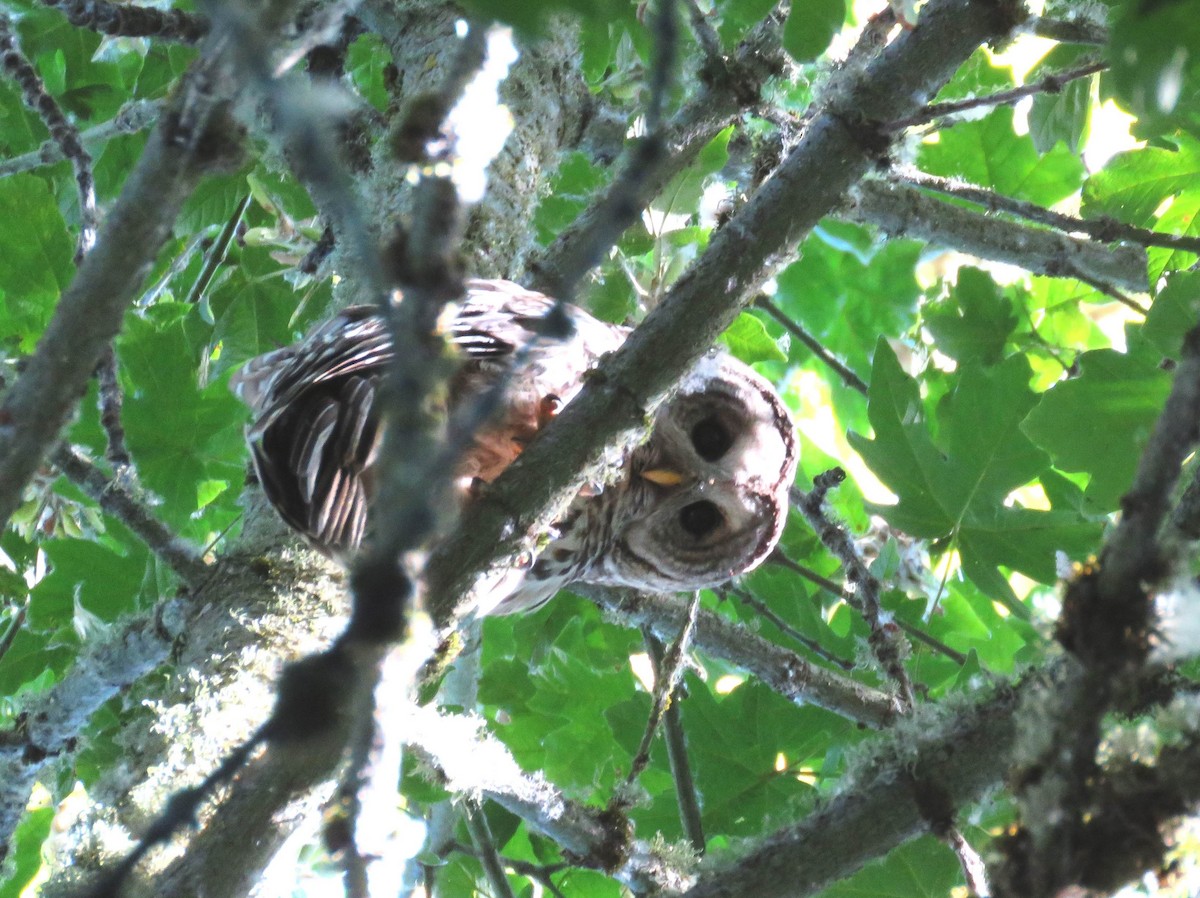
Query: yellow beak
(662,476)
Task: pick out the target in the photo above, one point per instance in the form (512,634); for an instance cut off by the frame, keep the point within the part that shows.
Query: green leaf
(182,437)
(974,323)
(739,16)
(1134,184)
(554,699)
(86,82)
(956,486)
(1098,422)
(26,857)
(1155,67)
(988,152)
(571,188)
(683,192)
(1060,115)
(924,868)
(1176,310)
(810,27)
(845,299)
(106,582)
(366,60)
(749,735)
(213,202)
(35,266)
(747,339)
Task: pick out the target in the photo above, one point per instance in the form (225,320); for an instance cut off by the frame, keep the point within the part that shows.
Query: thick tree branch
(1107,623)
(1072,31)
(51,726)
(904,211)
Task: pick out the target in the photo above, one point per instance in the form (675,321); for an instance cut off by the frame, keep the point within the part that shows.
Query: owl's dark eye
(700,518)
(711,439)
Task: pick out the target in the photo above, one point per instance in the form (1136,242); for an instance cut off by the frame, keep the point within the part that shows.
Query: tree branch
(784,671)
(1107,624)
(128,20)
(686,795)
(883,644)
(903,211)
(134,116)
(1077,31)
(1050,84)
(647,165)
(1108,230)
(849,378)
(130,510)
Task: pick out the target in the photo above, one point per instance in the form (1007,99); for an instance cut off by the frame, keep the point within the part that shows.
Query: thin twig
(762,609)
(485,850)
(134,116)
(706,35)
(1107,229)
(217,252)
(131,511)
(62,131)
(129,20)
(686,795)
(974,871)
(1052,83)
(14,627)
(1107,289)
(541,872)
(110,400)
(666,679)
(848,377)
(867,588)
(840,592)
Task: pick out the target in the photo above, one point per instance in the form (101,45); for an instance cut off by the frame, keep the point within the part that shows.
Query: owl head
(706,495)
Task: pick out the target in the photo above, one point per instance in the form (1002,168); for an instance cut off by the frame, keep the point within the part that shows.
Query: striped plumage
(703,499)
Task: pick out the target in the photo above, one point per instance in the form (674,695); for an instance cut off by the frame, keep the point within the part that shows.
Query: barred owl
(702,500)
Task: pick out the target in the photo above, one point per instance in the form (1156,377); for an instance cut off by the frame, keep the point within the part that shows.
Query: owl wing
(314,437)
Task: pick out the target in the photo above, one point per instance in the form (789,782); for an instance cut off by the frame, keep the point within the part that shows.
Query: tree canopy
(959,237)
